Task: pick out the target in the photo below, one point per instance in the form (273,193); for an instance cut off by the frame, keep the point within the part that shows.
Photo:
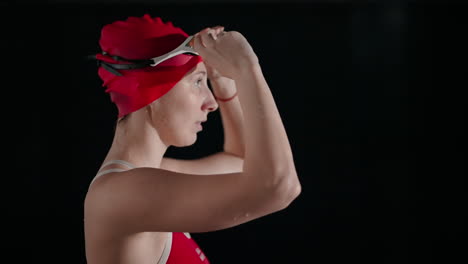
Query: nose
(210,103)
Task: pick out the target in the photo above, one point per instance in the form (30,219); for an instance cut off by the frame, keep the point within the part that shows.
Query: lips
(199,125)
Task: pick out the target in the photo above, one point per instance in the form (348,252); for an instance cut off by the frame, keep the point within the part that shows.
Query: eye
(199,82)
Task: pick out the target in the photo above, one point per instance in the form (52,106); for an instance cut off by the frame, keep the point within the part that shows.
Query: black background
(370,94)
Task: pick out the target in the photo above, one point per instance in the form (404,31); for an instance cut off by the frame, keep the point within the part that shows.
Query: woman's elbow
(288,190)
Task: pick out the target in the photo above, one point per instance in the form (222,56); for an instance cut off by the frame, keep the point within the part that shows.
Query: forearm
(268,176)
(231,116)
(267,148)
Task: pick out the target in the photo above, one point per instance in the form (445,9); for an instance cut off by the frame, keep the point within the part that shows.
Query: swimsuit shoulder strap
(167,250)
(121,162)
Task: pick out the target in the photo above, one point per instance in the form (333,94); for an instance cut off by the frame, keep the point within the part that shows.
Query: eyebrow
(200,72)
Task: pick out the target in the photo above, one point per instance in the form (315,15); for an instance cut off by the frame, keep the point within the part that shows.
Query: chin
(186,141)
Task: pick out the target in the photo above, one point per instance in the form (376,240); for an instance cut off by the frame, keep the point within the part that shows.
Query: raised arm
(149,199)
(231,112)
(267,150)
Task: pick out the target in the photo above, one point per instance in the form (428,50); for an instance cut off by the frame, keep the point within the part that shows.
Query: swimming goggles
(185,48)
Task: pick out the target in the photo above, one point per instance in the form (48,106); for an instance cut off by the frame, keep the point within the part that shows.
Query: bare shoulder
(158,200)
(105,241)
(217,163)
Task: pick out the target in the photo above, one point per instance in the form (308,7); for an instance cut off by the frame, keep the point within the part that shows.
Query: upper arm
(150,199)
(217,163)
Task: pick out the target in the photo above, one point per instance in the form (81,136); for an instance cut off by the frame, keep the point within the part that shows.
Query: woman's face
(178,114)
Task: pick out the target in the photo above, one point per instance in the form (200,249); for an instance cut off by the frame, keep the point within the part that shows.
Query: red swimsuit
(182,249)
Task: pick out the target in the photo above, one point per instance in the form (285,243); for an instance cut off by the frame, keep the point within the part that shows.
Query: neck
(137,142)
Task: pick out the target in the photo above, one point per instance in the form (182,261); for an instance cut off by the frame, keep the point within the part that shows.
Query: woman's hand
(227,52)
(213,74)
(223,87)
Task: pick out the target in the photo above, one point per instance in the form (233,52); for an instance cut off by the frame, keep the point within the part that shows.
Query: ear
(149,112)
(152,108)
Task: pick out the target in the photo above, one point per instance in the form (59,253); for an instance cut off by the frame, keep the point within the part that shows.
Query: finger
(219,31)
(204,30)
(208,38)
(198,45)
(201,47)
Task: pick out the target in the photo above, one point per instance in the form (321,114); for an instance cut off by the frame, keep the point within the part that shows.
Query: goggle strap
(110,69)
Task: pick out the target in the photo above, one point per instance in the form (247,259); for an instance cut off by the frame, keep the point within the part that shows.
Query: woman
(141,206)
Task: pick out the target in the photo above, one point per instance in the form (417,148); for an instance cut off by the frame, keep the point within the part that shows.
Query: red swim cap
(142,38)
